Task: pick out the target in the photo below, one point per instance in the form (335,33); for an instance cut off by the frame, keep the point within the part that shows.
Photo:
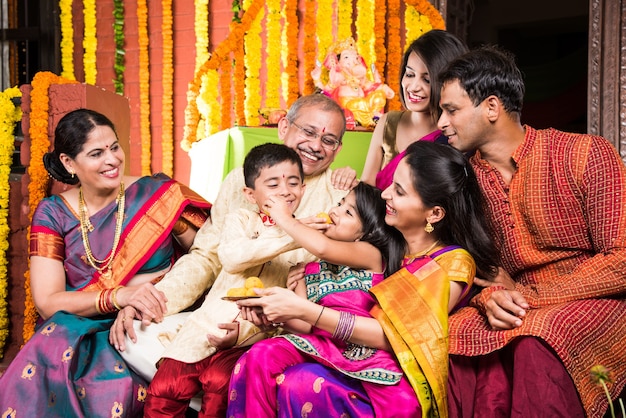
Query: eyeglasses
(310,135)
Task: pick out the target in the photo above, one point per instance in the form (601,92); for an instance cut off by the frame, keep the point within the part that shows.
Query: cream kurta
(247,248)
(195,272)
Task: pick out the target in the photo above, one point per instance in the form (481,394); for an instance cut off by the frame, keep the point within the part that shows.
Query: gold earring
(429,227)
(72,173)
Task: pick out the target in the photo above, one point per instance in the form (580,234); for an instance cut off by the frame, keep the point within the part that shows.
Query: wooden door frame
(606,95)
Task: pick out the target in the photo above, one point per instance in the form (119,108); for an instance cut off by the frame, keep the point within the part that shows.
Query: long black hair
(436,48)
(442,176)
(70,136)
(371,209)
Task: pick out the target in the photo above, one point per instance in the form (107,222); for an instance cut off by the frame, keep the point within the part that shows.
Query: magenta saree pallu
(384,178)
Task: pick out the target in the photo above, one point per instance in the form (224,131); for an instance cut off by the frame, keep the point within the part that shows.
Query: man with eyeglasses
(313,127)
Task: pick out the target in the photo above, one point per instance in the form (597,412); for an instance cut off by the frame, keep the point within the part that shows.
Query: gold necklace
(412,257)
(102,266)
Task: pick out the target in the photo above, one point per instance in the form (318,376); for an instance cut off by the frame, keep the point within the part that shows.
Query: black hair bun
(57,170)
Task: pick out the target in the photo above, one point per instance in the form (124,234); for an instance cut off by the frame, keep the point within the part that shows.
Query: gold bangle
(114,298)
(180,227)
(98,302)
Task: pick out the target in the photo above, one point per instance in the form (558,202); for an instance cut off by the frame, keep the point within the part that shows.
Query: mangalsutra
(102,266)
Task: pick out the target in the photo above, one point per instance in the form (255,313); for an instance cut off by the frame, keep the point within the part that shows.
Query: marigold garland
(118,34)
(380,12)
(226,96)
(273,49)
(201,29)
(430,12)
(309,47)
(167,126)
(324,31)
(344,19)
(67,39)
(252,60)
(208,104)
(365,30)
(416,23)
(290,52)
(239,85)
(412,25)
(144,87)
(234,38)
(9,116)
(284,55)
(90,42)
(394,51)
(38,185)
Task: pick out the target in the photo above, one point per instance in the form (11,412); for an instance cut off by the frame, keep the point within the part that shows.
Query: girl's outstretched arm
(355,254)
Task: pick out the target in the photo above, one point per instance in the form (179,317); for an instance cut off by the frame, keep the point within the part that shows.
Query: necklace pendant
(106,276)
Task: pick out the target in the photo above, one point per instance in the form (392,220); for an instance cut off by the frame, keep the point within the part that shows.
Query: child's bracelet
(319,316)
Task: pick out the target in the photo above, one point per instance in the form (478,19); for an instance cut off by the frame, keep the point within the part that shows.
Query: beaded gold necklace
(412,257)
(102,266)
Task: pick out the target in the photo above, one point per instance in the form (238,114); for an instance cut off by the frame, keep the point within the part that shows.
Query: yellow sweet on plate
(236,292)
(252,282)
(325,217)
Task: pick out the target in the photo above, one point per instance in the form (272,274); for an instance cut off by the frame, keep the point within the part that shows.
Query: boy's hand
(228,340)
(278,208)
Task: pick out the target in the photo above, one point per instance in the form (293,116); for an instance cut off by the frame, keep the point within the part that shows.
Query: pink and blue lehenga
(68,368)
(259,372)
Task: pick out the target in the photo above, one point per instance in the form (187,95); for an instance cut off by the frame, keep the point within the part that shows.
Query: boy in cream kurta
(249,245)
(195,272)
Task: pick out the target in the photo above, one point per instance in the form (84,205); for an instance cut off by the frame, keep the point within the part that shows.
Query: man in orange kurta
(557,207)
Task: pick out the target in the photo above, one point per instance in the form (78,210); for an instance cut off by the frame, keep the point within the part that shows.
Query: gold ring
(123,318)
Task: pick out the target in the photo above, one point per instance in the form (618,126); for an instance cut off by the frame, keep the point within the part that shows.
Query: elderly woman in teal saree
(88,256)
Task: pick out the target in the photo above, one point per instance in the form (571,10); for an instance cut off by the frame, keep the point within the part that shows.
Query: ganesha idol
(362,99)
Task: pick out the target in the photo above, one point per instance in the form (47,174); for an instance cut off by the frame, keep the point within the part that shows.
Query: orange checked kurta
(561,228)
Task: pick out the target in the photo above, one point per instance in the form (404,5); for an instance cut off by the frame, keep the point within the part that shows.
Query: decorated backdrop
(262,60)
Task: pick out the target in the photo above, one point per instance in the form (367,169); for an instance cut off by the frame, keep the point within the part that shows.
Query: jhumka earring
(429,227)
